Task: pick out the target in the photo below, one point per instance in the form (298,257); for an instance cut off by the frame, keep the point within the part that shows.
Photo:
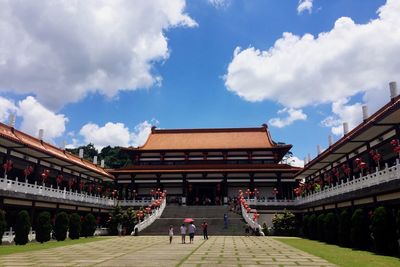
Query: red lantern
(71,182)
(45,175)
(28,171)
(59,179)
(81,185)
(275,192)
(7,166)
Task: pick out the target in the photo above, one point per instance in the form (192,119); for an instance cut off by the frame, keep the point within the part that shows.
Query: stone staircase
(213,215)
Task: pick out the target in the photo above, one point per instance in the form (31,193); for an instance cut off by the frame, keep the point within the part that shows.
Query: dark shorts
(191,235)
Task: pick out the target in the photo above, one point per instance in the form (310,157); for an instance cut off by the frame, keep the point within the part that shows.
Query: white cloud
(35,116)
(62,50)
(302,71)
(7,107)
(219,3)
(296,162)
(292,116)
(343,112)
(116,134)
(305,5)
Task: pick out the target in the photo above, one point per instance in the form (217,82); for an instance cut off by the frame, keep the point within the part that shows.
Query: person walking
(204,226)
(192,230)
(171,233)
(225,220)
(183,233)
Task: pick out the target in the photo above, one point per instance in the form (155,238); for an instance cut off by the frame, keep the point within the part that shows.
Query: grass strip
(341,256)
(32,246)
(188,255)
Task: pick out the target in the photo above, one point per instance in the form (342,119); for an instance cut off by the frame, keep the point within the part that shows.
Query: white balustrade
(40,190)
(149,219)
(271,202)
(252,223)
(135,202)
(379,177)
(9,236)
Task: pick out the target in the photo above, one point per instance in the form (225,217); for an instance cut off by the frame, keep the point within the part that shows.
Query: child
(183,233)
(170,233)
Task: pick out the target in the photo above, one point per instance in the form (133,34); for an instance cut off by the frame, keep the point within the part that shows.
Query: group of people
(191,229)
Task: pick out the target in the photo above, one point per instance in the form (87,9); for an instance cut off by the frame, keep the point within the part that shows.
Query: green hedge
(312,227)
(3,224)
(22,228)
(344,228)
(74,226)
(359,233)
(383,231)
(88,225)
(304,226)
(43,227)
(320,227)
(61,226)
(330,228)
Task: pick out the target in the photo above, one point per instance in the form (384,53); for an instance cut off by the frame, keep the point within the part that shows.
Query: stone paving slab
(156,251)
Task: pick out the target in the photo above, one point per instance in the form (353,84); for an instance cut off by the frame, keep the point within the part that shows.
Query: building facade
(206,166)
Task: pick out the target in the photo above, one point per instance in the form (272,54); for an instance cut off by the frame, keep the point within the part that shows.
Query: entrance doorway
(204,194)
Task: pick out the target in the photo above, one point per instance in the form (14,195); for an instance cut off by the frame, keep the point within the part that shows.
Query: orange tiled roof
(39,145)
(227,138)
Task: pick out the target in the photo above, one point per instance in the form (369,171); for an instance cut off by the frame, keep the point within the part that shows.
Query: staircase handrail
(150,219)
(252,223)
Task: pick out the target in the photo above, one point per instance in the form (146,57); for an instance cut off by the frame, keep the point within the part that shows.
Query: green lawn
(346,257)
(10,249)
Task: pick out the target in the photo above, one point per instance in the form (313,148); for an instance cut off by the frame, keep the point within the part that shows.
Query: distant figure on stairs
(204,226)
(183,233)
(192,230)
(171,233)
(225,221)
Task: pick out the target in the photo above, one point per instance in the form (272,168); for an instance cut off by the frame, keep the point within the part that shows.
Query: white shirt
(192,228)
(171,232)
(183,230)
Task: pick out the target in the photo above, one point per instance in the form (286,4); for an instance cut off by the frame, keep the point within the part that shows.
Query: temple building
(207,166)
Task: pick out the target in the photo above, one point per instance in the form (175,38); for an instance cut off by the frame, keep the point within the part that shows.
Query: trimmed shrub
(61,226)
(116,217)
(88,225)
(3,224)
(312,227)
(359,234)
(284,224)
(22,228)
(383,231)
(398,223)
(74,226)
(320,227)
(43,227)
(330,228)
(304,226)
(265,229)
(344,228)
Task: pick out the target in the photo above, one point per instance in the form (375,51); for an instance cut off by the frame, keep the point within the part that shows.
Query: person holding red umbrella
(192,230)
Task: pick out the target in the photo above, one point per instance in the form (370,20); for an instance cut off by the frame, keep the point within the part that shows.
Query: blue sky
(196,80)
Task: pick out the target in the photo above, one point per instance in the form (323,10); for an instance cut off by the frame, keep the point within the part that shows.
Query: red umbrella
(188,220)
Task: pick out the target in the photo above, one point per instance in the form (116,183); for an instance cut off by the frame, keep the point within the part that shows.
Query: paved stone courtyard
(156,251)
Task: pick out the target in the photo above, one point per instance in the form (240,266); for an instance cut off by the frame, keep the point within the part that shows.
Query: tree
(330,228)
(89,225)
(129,220)
(22,228)
(265,229)
(284,224)
(312,227)
(61,226)
(3,224)
(43,227)
(74,226)
(320,227)
(116,217)
(344,228)
(383,231)
(359,234)
(89,151)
